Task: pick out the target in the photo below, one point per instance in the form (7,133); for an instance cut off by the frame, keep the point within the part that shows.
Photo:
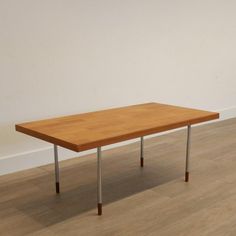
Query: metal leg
(141,152)
(56,169)
(99,179)
(188,154)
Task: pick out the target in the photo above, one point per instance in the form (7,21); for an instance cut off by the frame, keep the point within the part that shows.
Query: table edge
(116,139)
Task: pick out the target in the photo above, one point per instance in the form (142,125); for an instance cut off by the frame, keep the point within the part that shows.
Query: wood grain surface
(94,129)
(153,200)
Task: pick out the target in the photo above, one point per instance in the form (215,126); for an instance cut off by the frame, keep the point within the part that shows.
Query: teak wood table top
(95,129)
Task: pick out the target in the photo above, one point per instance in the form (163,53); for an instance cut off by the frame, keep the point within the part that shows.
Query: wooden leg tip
(57,187)
(186,176)
(99,209)
(141,161)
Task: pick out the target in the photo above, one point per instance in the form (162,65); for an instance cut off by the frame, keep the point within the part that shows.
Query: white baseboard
(39,157)
(227,113)
(44,156)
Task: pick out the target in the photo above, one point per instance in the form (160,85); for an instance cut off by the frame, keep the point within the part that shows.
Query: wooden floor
(154,200)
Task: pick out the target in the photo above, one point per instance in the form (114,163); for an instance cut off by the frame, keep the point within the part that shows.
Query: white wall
(61,57)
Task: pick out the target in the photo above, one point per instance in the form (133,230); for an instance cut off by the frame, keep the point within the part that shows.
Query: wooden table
(96,129)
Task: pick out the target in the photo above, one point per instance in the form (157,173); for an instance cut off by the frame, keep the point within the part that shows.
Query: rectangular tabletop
(95,129)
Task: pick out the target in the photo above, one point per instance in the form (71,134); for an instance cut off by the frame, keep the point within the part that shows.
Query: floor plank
(153,200)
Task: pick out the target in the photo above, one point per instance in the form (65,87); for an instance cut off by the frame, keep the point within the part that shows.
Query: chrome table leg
(188,153)
(56,169)
(141,152)
(99,180)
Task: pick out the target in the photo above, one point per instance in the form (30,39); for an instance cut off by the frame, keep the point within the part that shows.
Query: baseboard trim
(44,156)
(227,113)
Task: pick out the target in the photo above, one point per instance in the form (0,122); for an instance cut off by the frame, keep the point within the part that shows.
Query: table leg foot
(186,176)
(99,209)
(141,161)
(57,187)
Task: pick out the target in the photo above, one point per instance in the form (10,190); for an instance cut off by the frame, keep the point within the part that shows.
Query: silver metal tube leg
(56,169)
(99,180)
(188,153)
(141,152)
